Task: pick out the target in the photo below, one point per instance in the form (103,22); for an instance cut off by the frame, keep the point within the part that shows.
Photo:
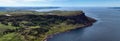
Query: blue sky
(62,3)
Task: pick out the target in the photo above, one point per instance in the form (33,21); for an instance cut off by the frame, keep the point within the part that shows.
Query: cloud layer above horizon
(28,2)
(59,2)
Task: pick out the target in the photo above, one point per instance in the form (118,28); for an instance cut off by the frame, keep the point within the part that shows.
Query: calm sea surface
(107,28)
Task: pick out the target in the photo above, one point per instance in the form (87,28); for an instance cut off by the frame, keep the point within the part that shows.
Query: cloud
(41,0)
(27,2)
(12,1)
(7,1)
(18,2)
(34,0)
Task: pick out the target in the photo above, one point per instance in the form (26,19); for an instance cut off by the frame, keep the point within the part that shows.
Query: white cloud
(25,2)
(7,1)
(21,1)
(41,0)
(33,0)
(12,1)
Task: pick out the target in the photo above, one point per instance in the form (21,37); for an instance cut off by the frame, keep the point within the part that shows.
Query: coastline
(42,26)
(74,28)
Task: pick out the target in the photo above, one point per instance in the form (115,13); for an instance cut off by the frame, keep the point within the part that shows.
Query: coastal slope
(39,26)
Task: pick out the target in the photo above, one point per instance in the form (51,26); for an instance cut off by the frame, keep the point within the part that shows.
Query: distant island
(38,26)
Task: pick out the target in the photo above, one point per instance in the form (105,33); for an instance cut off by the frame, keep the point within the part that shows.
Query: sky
(61,3)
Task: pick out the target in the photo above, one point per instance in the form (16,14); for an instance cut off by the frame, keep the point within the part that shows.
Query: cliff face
(44,23)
